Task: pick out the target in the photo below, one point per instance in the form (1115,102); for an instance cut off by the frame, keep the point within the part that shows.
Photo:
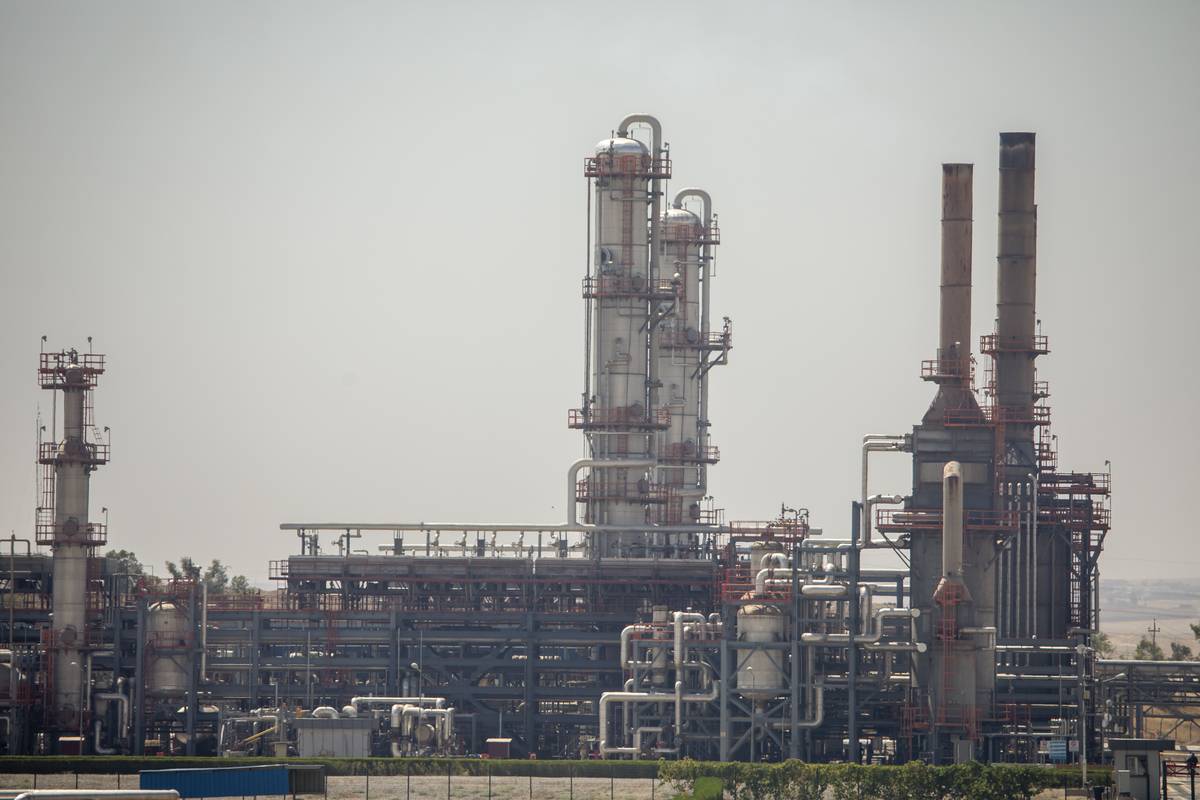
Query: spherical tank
(168,628)
(760,672)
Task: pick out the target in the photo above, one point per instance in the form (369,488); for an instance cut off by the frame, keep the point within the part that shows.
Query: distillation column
(67,468)
(683,350)
(617,414)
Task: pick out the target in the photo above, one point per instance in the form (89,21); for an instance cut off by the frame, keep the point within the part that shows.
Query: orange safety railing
(933,369)
(990,344)
(898,520)
(92,534)
(94,453)
(1075,482)
(639,286)
(641,491)
(624,417)
(688,452)
(611,164)
(53,367)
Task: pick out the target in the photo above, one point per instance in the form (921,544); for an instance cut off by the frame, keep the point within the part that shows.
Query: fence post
(408,780)
(118,780)
(448,766)
(530,784)
(612,780)
(571,779)
(76,779)
(368,772)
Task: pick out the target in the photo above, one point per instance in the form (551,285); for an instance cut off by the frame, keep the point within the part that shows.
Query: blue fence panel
(271,779)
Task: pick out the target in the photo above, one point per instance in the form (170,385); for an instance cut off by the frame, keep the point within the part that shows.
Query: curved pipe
(875,443)
(123,701)
(677,697)
(680,618)
(626,634)
(818,717)
(100,751)
(436,702)
(573,477)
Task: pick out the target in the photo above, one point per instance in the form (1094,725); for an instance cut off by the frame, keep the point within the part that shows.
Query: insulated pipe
(877,442)
(102,751)
(325,712)
(573,477)
(821,591)
(622,697)
(681,698)
(436,702)
(818,717)
(680,618)
(123,711)
(952,522)
(626,634)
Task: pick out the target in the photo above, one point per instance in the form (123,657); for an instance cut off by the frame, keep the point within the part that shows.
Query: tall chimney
(1016,286)
(952,369)
(954,332)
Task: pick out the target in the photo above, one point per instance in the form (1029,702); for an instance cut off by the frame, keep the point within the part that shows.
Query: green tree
(1180,652)
(127,563)
(186,570)
(216,577)
(1195,630)
(1103,646)
(239,584)
(1148,651)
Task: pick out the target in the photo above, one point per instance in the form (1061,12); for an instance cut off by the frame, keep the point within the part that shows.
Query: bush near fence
(796,780)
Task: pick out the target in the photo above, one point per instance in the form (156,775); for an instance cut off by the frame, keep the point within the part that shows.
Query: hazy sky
(333,250)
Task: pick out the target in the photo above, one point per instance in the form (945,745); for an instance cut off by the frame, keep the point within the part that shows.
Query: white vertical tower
(619,414)
(684,349)
(649,350)
(62,522)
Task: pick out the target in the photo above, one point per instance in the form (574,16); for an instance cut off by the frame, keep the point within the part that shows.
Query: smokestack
(954,333)
(952,369)
(1016,284)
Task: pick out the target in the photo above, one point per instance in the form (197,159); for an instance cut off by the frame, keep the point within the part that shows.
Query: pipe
(877,443)
(100,750)
(818,716)
(203,632)
(123,714)
(952,533)
(677,697)
(436,702)
(626,634)
(573,475)
(325,712)
(680,618)
(820,591)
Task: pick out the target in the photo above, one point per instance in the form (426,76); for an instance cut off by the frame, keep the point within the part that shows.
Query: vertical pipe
(855,555)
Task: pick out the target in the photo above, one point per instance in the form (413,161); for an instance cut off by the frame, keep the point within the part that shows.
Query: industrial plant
(643,624)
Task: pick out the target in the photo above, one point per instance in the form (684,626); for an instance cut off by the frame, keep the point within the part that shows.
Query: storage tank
(168,646)
(760,672)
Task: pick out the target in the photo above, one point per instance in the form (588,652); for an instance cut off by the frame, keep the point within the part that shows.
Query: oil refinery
(644,624)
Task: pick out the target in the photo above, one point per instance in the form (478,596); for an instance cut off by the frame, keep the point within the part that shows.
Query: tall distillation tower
(648,352)
(62,523)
